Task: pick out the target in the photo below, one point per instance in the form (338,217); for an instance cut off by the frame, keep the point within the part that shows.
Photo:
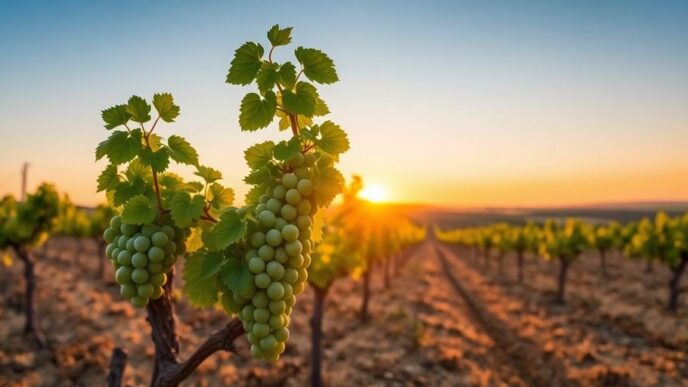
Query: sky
(451,103)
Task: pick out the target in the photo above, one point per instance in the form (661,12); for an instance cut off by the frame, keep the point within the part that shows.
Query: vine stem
(156,184)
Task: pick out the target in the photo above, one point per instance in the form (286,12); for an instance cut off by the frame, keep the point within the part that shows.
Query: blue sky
(443,100)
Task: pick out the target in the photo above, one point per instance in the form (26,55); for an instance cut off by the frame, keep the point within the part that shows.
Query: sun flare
(374,193)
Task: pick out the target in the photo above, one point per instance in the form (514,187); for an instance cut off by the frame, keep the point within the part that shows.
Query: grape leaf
(287,75)
(229,229)
(201,290)
(158,161)
(258,176)
(120,147)
(254,194)
(329,182)
(332,139)
(278,36)
(258,155)
(302,122)
(186,209)
(237,277)
(321,108)
(257,113)
(138,210)
(164,104)
(246,63)
(155,142)
(267,77)
(127,189)
(115,116)
(138,109)
(220,197)
(137,169)
(181,151)
(317,66)
(284,150)
(302,100)
(108,178)
(208,174)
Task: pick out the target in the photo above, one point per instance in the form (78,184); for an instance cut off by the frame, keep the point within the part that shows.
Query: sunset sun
(375,193)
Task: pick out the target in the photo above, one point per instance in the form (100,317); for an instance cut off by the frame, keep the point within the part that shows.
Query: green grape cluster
(142,256)
(278,258)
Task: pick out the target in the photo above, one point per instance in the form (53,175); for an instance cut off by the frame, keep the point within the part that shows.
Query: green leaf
(332,139)
(186,209)
(284,150)
(137,170)
(229,229)
(220,197)
(208,174)
(260,154)
(120,147)
(258,176)
(170,180)
(246,63)
(254,194)
(158,161)
(267,77)
(164,104)
(302,101)
(302,121)
(115,116)
(329,182)
(108,178)
(287,75)
(257,113)
(181,151)
(321,108)
(138,109)
(155,142)
(279,37)
(198,287)
(237,277)
(317,66)
(138,210)
(125,190)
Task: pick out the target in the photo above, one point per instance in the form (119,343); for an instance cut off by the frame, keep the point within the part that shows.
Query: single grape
(297,160)
(260,300)
(290,276)
(275,270)
(109,235)
(169,231)
(158,291)
(305,187)
(280,223)
(277,306)
(247,313)
(261,315)
(273,237)
(293,248)
(156,254)
(277,321)
(116,223)
(281,255)
(266,252)
(250,254)
(290,233)
(302,172)
(127,291)
(256,265)
(274,205)
(145,290)
(304,208)
(109,250)
(158,279)
(122,242)
(260,330)
(289,180)
(160,239)
(288,212)
(139,276)
(303,222)
(123,275)
(124,258)
(278,192)
(275,291)
(139,302)
(170,248)
(257,352)
(148,230)
(293,196)
(267,219)
(299,287)
(141,243)
(130,245)
(262,280)
(288,290)
(257,239)
(303,274)
(306,260)
(154,268)
(282,334)
(139,260)
(268,343)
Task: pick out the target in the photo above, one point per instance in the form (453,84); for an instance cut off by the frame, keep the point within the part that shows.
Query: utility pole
(25,171)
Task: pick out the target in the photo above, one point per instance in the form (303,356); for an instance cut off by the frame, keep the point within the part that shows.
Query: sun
(374,193)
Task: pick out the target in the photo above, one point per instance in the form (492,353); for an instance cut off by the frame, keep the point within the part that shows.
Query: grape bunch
(142,255)
(278,257)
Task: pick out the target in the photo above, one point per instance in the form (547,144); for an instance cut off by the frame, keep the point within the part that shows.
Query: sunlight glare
(374,193)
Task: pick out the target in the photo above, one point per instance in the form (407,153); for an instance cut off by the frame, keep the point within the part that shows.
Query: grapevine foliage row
(253,259)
